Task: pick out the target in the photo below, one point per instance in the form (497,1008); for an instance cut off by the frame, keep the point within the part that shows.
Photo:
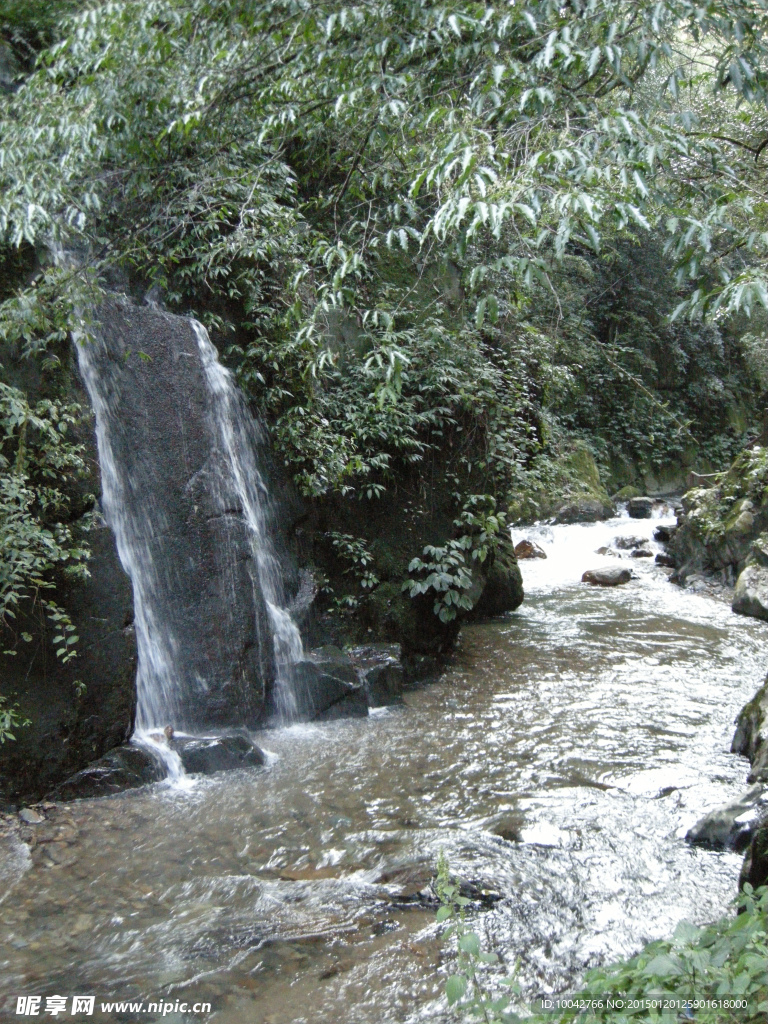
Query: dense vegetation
(410,226)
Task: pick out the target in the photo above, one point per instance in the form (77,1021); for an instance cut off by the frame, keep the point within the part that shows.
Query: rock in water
(124,767)
(751,594)
(500,582)
(628,543)
(642,553)
(731,826)
(640,508)
(664,559)
(208,754)
(31,816)
(381,670)
(528,549)
(755,867)
(585,510)
(609,577)
(325,686)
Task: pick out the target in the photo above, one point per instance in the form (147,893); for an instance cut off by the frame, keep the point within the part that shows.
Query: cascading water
(188,505)
(234,427)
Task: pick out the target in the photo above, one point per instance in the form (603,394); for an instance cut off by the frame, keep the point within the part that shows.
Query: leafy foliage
(36,461)
(448,571)
(373,209)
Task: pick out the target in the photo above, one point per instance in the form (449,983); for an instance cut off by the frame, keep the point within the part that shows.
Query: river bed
(558,762)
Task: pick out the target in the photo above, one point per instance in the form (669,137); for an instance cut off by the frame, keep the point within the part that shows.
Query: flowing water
(559,761)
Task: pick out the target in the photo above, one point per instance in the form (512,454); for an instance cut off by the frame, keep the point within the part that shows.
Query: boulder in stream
(126,767)
(585,509)
(381,671)
(640,508)
(208,754)
(326,686)
(529,549)
(628,543)
(731,826)
(610,576)
(751,594)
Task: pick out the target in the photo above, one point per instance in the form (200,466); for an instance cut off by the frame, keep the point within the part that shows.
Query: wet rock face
(640,508)
(184,531)
(750,596)
(126,767)
(325,687)
(609,577)
(732,826)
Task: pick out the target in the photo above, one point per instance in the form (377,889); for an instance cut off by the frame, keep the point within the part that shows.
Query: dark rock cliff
(66,731)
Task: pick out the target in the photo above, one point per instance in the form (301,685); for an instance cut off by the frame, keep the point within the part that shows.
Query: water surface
(559,762)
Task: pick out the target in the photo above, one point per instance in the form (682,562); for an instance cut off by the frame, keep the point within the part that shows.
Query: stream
(558,762)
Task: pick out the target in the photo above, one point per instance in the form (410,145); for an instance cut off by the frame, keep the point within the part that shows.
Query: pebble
(30,816)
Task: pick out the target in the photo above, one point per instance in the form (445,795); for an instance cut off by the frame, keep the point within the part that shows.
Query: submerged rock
(731,826)
(528,549)
(751,594)
(126,767)
(640,507)
(664,559)
(208,754)
(611,576)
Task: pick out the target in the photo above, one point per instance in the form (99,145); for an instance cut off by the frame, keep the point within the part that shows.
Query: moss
(715,511)
(567,477)
(626,493)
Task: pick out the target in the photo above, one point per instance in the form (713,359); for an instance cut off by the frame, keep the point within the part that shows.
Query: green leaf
(455,987)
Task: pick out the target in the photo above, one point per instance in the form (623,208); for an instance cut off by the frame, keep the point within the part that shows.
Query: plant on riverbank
(10,720)
(447,573)
(717,974)
(37,460)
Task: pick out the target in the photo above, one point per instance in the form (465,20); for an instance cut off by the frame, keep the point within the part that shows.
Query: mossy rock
(503,589)
(580,465)
(396,617)
(627,493)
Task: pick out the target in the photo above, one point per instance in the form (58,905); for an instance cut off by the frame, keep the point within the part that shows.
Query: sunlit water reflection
(559,761)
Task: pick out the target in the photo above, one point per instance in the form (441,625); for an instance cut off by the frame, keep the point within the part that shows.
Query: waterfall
(232,422)
(184,495)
